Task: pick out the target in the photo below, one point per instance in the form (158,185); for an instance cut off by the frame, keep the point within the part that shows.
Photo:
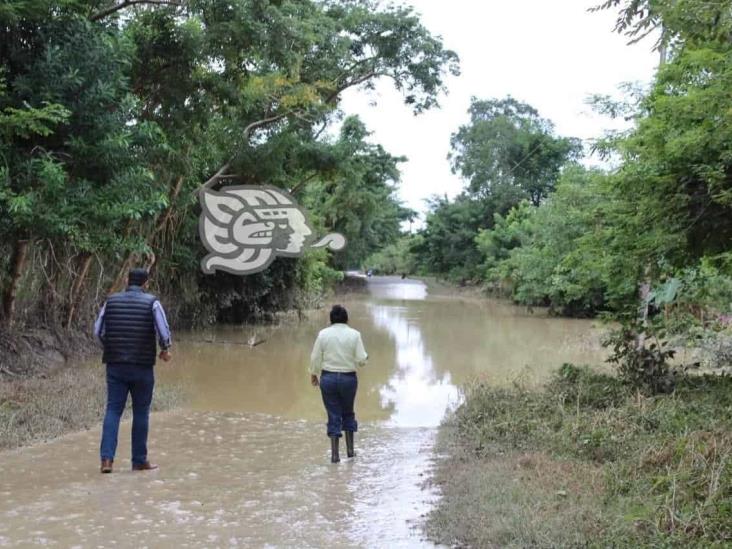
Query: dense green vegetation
(641,458)
(507,153)
(535,224)
(588,462)
(113,115)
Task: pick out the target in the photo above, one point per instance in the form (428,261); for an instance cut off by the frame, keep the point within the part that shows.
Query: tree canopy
(508,152)
(113,115)
(550,232)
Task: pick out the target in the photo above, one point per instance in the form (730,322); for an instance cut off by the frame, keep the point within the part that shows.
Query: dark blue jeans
(339,393)
(138,381)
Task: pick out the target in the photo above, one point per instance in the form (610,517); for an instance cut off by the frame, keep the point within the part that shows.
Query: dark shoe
(349,444)
(147,466)
(106,466)
(334,457)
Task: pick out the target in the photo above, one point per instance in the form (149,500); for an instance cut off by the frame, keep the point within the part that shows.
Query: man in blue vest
(127,327)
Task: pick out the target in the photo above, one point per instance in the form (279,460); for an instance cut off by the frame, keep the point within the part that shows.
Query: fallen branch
(251,344)
(17,267)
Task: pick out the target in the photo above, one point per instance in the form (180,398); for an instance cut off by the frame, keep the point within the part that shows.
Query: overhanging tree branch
(215,177)
(302,183)
(350,84)
(247,132)
(127,3)
(221,172)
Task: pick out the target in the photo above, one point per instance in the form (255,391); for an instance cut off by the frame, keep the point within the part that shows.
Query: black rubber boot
(334,457)
(349,444)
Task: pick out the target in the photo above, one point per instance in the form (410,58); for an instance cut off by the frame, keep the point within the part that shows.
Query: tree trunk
(168,211)
(159,227)
(663,48)
(17,267)
(85,262)
(115,286)
(163,221)
(644,291)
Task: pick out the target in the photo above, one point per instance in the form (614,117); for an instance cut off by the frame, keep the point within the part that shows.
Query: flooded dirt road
(247,464)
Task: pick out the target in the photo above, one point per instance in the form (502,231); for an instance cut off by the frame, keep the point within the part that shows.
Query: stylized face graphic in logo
(245,227)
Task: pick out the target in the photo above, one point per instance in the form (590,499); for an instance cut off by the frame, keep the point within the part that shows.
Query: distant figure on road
(369,273)
(337,353)
(127,327)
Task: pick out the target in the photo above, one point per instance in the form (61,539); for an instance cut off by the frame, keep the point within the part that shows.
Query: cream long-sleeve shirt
(338,348)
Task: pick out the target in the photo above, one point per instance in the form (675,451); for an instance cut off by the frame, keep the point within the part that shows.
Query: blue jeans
(339,393)
(139,382)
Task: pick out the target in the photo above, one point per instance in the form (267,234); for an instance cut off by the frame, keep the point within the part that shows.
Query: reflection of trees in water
(484,337)
(413,347)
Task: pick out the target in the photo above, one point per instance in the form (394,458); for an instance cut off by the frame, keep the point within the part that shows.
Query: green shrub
(642,358)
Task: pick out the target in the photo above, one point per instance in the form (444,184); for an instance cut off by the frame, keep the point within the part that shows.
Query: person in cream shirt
(337,353)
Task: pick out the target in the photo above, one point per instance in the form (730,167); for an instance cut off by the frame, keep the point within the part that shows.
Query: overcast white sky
(550,54)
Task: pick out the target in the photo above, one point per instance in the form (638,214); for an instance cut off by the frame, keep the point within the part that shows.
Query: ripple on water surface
(267,482)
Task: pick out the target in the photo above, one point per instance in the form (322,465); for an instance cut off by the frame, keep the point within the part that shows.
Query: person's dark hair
(338,315)
(137,277)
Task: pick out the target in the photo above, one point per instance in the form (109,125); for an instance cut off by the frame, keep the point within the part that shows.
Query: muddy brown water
(245,465)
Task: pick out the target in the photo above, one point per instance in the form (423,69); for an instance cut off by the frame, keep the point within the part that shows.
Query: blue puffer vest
(129,328)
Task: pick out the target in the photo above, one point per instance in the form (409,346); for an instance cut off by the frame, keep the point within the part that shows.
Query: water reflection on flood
(421,349)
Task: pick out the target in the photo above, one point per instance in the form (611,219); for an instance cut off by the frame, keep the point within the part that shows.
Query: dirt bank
(41,351)
(70,398)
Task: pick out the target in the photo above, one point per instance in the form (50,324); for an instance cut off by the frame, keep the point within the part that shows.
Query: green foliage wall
(113,115)
(547,232)
(507,153)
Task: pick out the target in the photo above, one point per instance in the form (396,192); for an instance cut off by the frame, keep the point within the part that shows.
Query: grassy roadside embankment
(45,406)
(584,461)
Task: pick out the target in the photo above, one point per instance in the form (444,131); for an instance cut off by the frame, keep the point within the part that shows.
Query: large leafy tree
(76,185)
(678,169)
(678,161)
(447,243)
(507,152)
(666,210)
(359,200)
(115,113)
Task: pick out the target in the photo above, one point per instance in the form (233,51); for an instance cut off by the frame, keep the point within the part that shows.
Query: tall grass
(611,467)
